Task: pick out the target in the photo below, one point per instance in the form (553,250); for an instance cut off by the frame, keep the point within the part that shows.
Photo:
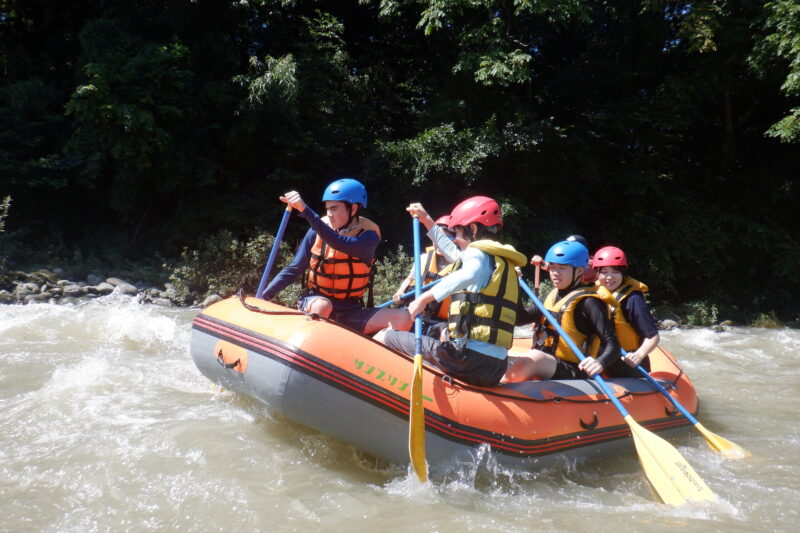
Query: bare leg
(321,306)
(398,319)
(533,365)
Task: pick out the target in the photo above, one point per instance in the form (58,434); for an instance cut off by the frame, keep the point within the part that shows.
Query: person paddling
(635,326)
(582,311)
(338,252)
(485,294)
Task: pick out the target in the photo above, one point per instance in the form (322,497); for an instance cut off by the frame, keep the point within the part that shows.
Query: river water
(106,425)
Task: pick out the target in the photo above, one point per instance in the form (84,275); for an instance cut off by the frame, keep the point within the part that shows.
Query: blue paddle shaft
(571,343)
(411,293)
(417,287)
(664,391)
(273,254)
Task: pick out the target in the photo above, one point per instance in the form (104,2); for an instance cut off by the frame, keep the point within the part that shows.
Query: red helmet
(480,209)
(443,220)
(609,256)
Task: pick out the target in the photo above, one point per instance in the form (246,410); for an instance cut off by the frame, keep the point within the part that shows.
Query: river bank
(60,286)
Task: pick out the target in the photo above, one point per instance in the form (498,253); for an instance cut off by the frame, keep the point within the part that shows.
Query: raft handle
(590,425)
(222,362)
(670,413)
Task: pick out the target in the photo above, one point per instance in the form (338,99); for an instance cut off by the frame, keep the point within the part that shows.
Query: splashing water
(107,425)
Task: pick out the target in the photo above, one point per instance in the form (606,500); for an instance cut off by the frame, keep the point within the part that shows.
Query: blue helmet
(346,190)
(568,253)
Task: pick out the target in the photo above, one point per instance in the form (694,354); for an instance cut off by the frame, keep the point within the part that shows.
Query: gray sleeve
(449,249)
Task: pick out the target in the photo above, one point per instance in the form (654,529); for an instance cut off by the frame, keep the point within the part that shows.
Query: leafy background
(138,131)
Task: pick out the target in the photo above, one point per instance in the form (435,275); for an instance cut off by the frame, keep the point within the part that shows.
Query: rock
(716,328)
(37,298)
(55,292)
(211,299)
(122,286)
(7,298)
(668,324)
(63,282)
(45,276)
(164,302)
(94,279)
(24,289)
(102,288)
(75,291)
(726,323)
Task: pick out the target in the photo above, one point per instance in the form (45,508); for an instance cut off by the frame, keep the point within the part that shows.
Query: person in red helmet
(484,294)
(635,326)
(433,262)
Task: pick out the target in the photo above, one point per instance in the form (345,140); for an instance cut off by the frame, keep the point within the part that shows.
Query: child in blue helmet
(338,252)
(582,311)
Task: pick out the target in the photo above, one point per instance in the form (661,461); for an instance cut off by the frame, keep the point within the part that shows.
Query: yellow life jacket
(563,311)
(334,273)
(628,338)
(489,315)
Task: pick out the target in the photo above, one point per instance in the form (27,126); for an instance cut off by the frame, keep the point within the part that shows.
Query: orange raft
(320,374)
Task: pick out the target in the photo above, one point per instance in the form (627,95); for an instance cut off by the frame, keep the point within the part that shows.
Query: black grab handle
(222,362)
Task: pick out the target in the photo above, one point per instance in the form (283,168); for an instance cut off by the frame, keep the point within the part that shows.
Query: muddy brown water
(106,425)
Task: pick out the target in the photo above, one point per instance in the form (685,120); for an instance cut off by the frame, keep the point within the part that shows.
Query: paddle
(536,280)
(411,293)
(673,479)
(416,414)
(714,441)
(273,254)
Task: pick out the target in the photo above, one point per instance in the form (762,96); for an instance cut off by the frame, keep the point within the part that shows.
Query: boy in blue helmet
(338,252)
(582,311)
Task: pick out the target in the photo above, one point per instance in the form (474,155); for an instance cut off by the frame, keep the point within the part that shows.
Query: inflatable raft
(322,375)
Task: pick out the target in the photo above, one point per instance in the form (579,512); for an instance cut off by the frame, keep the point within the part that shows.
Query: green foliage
(390,271)
(4,205)
(781,42)
(224,263)
(128,111)
(144,126)
(701,313)
(768,320)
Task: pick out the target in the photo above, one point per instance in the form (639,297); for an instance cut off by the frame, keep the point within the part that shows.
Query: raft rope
(446,377)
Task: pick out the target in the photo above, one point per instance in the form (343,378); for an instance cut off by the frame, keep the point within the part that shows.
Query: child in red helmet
(635,326)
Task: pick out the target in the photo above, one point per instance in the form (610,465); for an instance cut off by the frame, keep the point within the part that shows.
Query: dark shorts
(350,313)
(567,370)
(467,365)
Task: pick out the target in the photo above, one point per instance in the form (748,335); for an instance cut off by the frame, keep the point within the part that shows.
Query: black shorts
(567,370)
(467,365)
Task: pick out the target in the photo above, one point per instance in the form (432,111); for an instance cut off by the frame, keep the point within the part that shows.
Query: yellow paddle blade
(416,424)
(672,477)
(722,445)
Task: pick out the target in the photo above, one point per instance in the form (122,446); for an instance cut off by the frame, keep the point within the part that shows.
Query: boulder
(75,291)
(668,324)
(7,298)
(122,286)
(94,279)
(101,288)
(211,299)
(24,289)
(36,298)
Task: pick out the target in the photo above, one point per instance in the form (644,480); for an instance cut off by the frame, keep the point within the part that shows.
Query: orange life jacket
(334,273)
